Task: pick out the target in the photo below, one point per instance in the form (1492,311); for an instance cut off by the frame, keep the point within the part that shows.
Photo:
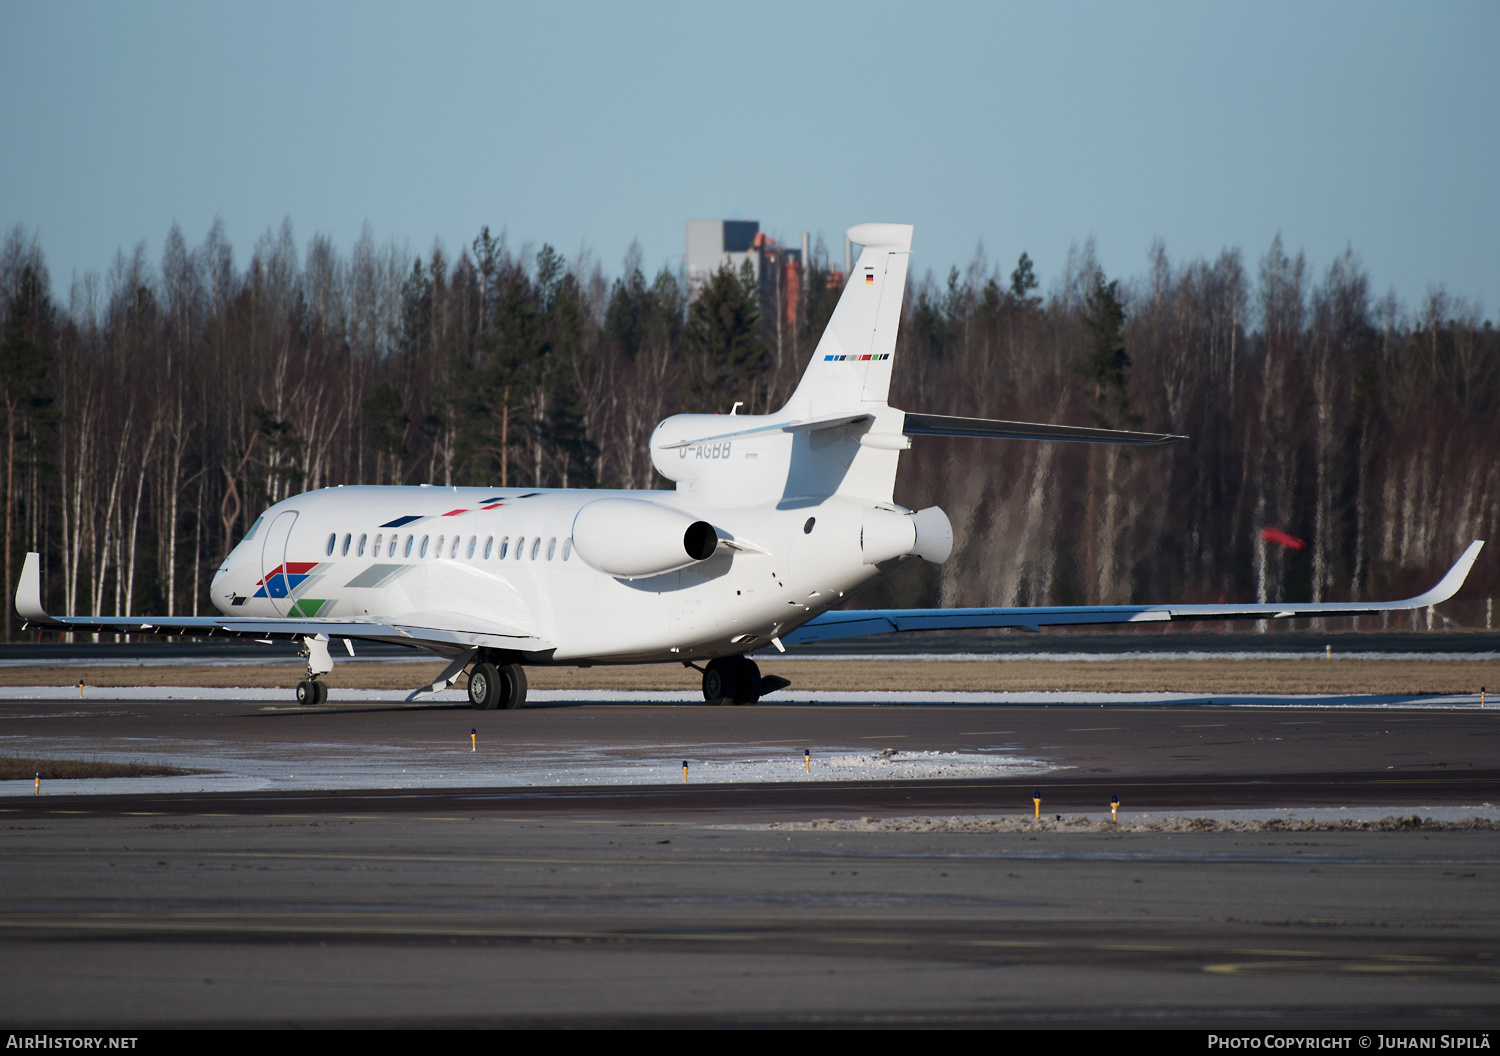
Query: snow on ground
(449,763)
(1049,698)
(1072,658)
(1304,819)
(242,766)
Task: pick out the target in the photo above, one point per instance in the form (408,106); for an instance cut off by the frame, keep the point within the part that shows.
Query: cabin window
(436,553)
(378,540)
(392,552)
(331,540)
(362,539)
(425,540)
(469,553)
(344,551)
(489,544)
(504,546)
(551,547)
(520,547)
(536,547)
(456,541)
(567,548)
(407,551)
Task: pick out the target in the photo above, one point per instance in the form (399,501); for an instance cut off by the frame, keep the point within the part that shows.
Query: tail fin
(837,434)
(851,367)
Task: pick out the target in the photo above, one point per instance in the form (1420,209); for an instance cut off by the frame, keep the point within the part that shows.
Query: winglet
(1446,587)
(29,590)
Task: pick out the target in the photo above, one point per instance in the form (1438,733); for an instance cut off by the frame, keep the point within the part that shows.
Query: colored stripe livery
(284,579)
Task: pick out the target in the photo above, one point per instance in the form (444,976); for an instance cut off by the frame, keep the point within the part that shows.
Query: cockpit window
(251,533)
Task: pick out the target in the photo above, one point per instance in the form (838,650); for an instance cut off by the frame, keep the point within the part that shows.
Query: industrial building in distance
(713,244)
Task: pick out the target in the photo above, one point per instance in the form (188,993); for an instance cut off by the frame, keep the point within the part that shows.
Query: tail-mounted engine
(632,537)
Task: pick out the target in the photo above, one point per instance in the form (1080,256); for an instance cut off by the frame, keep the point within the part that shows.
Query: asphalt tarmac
(672,904)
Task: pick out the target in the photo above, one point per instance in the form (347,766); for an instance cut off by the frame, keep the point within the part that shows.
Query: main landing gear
(736,680)
(497,686)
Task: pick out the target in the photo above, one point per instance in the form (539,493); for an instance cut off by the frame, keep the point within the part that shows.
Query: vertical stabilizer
(851,368)
(837,434)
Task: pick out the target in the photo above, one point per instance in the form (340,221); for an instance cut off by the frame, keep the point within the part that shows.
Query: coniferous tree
(723,355)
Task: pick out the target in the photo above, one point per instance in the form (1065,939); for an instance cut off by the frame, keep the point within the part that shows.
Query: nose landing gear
(315,650)
(311,691)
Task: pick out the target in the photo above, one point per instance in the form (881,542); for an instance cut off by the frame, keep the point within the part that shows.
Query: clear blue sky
(1029,126)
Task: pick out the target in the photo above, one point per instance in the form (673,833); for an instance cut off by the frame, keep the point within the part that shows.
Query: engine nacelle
(889,534)
(632,537)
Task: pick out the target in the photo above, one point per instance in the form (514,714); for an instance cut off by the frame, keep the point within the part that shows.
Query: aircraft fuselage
(503,561)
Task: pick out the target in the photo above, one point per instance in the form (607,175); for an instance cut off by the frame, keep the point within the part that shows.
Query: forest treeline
(155,411)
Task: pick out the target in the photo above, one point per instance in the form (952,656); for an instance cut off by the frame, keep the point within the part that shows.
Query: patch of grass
(15,769)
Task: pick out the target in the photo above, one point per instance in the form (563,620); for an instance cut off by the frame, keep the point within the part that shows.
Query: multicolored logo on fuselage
(284,581)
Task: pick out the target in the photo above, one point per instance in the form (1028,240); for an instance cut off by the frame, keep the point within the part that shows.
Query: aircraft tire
(513,686)
(746,681)
(307,692)
(485,685)
(322,691)
(719,681)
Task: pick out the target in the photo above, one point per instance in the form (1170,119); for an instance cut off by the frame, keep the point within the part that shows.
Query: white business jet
(775,519)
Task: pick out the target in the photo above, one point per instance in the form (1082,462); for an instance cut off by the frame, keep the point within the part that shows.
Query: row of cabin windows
(504,550)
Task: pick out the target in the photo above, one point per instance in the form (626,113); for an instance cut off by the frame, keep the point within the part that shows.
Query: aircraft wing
(856,623)
(445,634)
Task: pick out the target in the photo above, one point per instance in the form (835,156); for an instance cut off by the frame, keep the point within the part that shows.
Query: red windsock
(1276,535)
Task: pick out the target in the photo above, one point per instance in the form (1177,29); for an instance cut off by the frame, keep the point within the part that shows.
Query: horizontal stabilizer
(857,623)
(989,428)
(809,425)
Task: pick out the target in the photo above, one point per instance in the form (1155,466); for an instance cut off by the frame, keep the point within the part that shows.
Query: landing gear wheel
(307,692)
(719,681)
(746,681)
(513,692)
(322,688)
(484,687)
(492,686)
